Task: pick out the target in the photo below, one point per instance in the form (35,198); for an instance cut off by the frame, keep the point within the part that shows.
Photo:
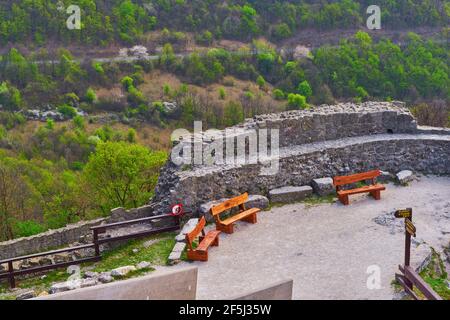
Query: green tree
(305,89)
(90,96)
(233,113)
(122,174)
(296,101)
(10,97)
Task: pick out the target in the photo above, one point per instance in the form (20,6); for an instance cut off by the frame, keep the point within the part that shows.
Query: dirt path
(327,248)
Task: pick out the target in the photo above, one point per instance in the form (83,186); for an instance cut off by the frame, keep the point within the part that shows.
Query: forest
(39,21)
(114,138)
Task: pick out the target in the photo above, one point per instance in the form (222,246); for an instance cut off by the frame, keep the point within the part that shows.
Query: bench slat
(374,187)
(226,205)
(241,215)
(208,240)
(190,237)
(342,180)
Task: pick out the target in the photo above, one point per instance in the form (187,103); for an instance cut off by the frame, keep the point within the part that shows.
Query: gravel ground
(327,248)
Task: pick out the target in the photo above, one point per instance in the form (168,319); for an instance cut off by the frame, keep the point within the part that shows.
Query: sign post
(409,277)
(410,230)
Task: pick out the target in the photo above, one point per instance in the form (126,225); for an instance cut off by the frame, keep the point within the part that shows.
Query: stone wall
(62,237)
(51,239)
(324,141)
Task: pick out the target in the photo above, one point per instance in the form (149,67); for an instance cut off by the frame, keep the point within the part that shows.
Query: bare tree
(12,194)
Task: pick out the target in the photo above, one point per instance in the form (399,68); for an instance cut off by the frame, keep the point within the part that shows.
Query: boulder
(290,194)
(45,261)
(90,274)
(257,201)
(122,271)
(143,265)
(188,227)
(43,294)
(105,277)
(323,186)
(64,286)
(405,176)
(26,295)
(177,251)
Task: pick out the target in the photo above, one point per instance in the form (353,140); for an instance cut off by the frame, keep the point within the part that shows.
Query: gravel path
(327,248)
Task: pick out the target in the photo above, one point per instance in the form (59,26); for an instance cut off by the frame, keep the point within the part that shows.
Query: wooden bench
(243,214)
(200,253)
(374,188)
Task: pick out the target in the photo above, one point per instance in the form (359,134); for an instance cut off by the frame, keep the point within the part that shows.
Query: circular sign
(177,210)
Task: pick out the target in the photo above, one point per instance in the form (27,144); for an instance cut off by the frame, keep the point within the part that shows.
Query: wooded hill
(103,21)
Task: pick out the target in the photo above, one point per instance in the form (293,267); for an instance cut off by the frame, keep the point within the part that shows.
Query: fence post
(12,281)
(96,245)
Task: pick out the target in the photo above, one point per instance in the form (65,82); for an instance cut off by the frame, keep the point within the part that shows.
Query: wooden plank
(410,227)
(209,239)
(42,254)
(241,216)
(198,228)
(417,280)
(342,180)
(376,187)
(128,222)
(226,205)
(404,213)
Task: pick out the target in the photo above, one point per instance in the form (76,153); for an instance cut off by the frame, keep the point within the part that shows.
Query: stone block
(289,194)
(177,251)
(323,186)
(122,271)
(405,176)
(188,227)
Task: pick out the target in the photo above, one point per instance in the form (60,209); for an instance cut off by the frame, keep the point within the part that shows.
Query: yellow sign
(410,228)
(405,213)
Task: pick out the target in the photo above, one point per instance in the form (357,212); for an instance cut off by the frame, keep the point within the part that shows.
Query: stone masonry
(322,142)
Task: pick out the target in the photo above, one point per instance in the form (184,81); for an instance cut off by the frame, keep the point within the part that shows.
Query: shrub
(90,96)
(131,135)
(260,81)
(50,125)
(281,31)
(166,90)
(305,89)
(127,82)
(78,122)
(27,228)
(67,111)
(222,93)
(278,94)
(296,101)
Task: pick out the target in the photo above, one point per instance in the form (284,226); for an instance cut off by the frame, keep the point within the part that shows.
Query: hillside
(69,98)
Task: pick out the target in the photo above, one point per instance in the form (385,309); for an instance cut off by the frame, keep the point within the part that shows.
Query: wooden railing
(11,273)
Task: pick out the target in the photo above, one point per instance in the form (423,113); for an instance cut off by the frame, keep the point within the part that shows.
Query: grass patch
(156,253)
(434,274)
(316,200)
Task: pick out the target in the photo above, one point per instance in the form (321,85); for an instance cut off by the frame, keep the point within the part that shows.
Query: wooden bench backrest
(231,203)
(342,180)
(190,237)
